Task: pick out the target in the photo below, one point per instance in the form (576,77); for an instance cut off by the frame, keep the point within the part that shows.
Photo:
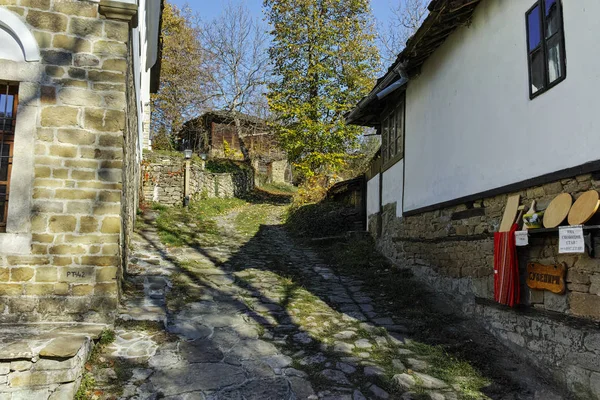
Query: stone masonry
(163,181)
(452,250)
(80,100)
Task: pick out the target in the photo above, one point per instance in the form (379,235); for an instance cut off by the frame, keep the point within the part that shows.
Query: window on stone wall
(8,118)
(392,134)
(545,46)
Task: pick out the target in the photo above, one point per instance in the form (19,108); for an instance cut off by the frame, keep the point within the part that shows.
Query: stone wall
(77,102)
(452,249)
(163,181)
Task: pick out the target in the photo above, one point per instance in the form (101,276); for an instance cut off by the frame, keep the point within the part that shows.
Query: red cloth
(507,288)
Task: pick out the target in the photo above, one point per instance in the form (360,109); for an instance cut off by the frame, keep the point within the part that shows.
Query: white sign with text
(571,240)
(522,238)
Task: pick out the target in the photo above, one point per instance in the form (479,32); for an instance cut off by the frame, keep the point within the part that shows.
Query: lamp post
(186,185)
(203,156)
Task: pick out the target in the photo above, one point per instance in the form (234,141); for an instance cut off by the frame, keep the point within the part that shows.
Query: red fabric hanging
(507,289)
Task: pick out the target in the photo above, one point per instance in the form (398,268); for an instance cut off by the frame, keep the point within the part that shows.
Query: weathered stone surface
(64,347)
(15,350)
(404,381)
(202,377)
(335,376)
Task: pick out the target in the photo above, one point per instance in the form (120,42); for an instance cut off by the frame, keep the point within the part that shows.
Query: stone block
(80,97)
(64,249)
(115,64)
(62,223)
(88,224)
(77,8)
(56,57)
(103,209)
(104,120)
(82,290)
(46,274)
(40,289)
(41,4)
(21,274)
(83,175)
(76,274)
(101,261)
(64,347)
(77,73)
(585,305)
(85,60)
(61,289)
(72,43)
(107,48)
(47,21)
(75,194)
(106,274)
(106,289)
(55,71)
(86,27)
(117,30)
(111,225)
(10,289)
(110,197)
(4,274)
(60,116)
(74,83)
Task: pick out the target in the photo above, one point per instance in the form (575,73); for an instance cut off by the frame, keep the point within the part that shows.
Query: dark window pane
(2,203)
(536,63)
(533,28)
(554,56)
(552,17)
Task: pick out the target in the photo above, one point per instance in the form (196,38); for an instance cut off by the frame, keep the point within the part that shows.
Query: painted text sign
(546,277)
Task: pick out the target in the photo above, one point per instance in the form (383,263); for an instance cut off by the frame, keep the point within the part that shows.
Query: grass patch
(249,220)
(279,188)
(180,226)
(222,166)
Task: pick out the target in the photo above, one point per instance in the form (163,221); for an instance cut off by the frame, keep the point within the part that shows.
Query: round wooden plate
(558,210)
(584,208)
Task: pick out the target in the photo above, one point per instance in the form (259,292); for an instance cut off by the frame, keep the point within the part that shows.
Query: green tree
(184,78)
(324,60)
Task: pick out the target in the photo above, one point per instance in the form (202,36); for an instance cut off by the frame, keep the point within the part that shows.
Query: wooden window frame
(392,135)
(7,138)
(543,47)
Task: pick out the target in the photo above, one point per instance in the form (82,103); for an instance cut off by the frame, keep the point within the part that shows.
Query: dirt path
(257,315)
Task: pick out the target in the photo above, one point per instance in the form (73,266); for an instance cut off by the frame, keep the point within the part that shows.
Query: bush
(162,141)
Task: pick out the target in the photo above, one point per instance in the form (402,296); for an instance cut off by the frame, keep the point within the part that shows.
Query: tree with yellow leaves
(324,60)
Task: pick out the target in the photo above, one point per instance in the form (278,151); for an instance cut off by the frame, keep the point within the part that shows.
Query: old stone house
(75,78)
(215,134)
(493,98)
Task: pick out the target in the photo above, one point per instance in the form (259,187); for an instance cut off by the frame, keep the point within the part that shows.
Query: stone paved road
(241,329)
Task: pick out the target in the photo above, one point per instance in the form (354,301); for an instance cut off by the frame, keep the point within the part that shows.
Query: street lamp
(186,188)
(203,156)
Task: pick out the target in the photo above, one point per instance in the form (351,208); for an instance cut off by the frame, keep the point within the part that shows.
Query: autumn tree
(324,59)
(235,44)
(184,82)
(406,18)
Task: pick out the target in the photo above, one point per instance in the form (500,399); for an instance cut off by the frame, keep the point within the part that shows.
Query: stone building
(480,106)
(215,134)
(75,77)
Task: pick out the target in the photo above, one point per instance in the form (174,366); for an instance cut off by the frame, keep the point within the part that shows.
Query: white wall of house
(372,196)
(470,125)
(393,184)
(145,49)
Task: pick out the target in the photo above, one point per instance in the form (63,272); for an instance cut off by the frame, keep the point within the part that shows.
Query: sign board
(522,238)
(571,240)
(546,277)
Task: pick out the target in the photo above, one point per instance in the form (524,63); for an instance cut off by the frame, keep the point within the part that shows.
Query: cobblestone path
(241,328)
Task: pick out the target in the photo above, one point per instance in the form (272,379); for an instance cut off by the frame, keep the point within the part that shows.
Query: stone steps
(44,361)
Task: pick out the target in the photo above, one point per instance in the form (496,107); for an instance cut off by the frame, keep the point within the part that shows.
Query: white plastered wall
(470,125)
(372,196)
(393,185)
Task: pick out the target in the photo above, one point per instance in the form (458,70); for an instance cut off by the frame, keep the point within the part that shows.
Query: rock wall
(163,182)
(452,250)
(74,100)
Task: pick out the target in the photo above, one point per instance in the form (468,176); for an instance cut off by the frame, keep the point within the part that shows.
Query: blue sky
(209,9)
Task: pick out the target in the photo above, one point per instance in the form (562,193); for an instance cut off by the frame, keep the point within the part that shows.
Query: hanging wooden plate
(510,212)
(584,208)
(558,210)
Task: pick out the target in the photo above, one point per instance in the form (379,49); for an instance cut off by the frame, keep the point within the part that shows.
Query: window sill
(15,243)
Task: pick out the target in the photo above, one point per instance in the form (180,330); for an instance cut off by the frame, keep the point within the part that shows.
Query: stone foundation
(452,251)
